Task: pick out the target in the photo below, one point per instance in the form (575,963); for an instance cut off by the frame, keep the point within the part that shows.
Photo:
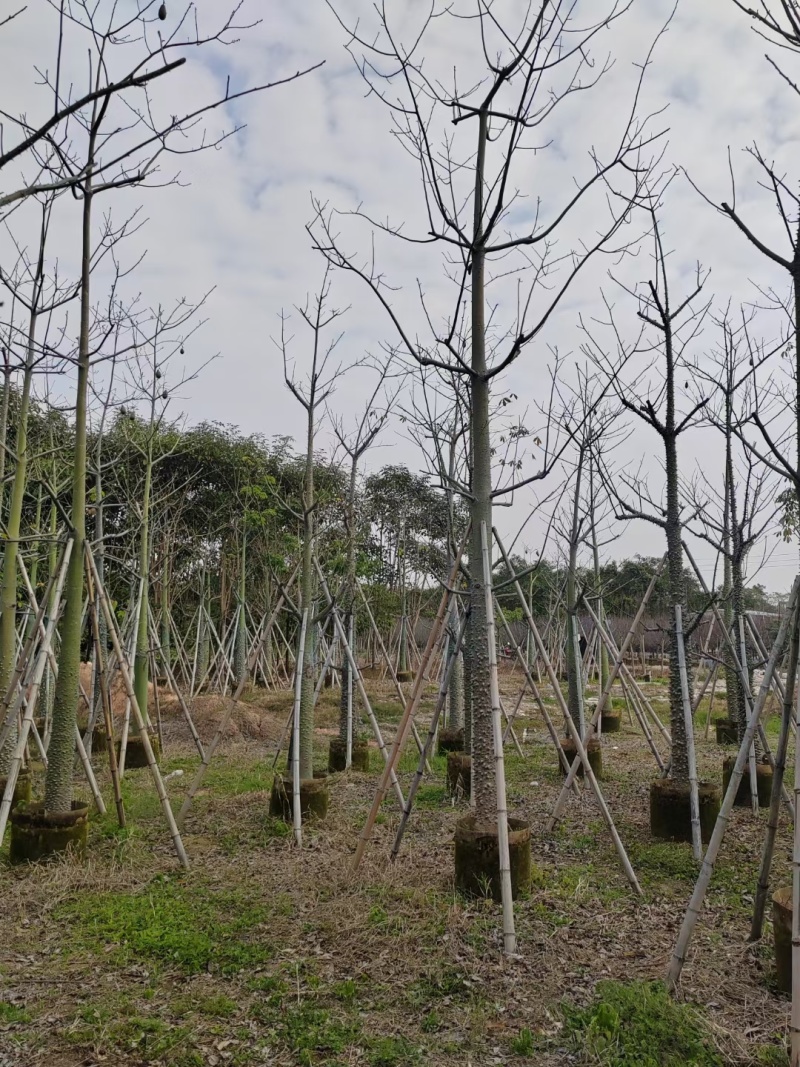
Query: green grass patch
(185,925)
(638,1024)
(10,1014)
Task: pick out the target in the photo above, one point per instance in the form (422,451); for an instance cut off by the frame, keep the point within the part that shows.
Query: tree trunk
(58,781)
(483,783)
(677,592)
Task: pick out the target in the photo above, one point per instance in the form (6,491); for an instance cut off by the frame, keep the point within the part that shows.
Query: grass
(277,956)
(183,925)
(638,1024)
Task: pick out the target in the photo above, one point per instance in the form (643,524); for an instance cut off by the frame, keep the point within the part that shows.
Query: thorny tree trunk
(307,587)
(677,594)
(455,695)
(483,776)
(4,426)
(599,607)
(58,782)
(731,677)
(240,652)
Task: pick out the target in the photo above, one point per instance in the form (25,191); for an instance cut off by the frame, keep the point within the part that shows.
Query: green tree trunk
(58,781)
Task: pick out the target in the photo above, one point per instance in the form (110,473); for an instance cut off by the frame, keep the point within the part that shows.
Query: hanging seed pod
(162,12)
(164,395)
(158,374)
(183,351)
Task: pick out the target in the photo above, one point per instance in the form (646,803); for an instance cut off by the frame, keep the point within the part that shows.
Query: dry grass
(265,955)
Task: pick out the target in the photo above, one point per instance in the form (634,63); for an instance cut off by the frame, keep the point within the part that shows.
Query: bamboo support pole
(612,674)
(105,700)
(542,706)
(171,681)
(38,672)
(589,774)
(408,713)
(698,894)
(751,761)
(428,746)
(113,631)
(389,665)
(688,722)
(359,682)
(210,749)
(762,887)
(504,855)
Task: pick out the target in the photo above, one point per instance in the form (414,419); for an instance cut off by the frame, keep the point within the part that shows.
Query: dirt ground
(262,953)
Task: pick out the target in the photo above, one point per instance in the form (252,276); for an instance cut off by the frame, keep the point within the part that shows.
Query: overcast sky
(237,222)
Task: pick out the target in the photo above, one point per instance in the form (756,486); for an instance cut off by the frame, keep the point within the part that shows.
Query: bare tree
(470,183)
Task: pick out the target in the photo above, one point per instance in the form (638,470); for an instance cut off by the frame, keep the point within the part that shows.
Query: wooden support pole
(688,723)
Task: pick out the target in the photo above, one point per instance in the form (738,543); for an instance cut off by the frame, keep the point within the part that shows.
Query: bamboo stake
(612,674)
(388,663)
(707,867)
(715,674)
(105,702)
(38,672)
(297,815)
(762,887)
(504,855)
(212,748)
(111,622)
(87,767)
(574,732)
(538,698)
(174,687)
(751,762)
(694,796)
(420,771)
(410,709)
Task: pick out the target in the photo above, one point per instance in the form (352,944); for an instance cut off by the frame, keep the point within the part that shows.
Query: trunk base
(670,810)
(451,740)
(135,754)
(38,835)
(405,676)
(782,935)
(477,858)
(726,732)
(593,750)
(313,799)
(337,755)
(763,783)
(611,722)
(22,789)
(459,773)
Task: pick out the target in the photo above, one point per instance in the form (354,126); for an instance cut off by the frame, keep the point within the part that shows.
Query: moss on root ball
(670,810)
(337,755)
(39,835)
(313,799)
(477,858)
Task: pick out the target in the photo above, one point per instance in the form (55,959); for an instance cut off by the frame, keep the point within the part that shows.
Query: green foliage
(638,1024)
(391,1052)
(190,927)
(315,1035)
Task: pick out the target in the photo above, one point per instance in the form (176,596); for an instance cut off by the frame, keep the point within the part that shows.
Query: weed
(314,1035)
(639,1025)
(11,1014)
(431,1023)
(345,991)
(523,1044)
(391,1052)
